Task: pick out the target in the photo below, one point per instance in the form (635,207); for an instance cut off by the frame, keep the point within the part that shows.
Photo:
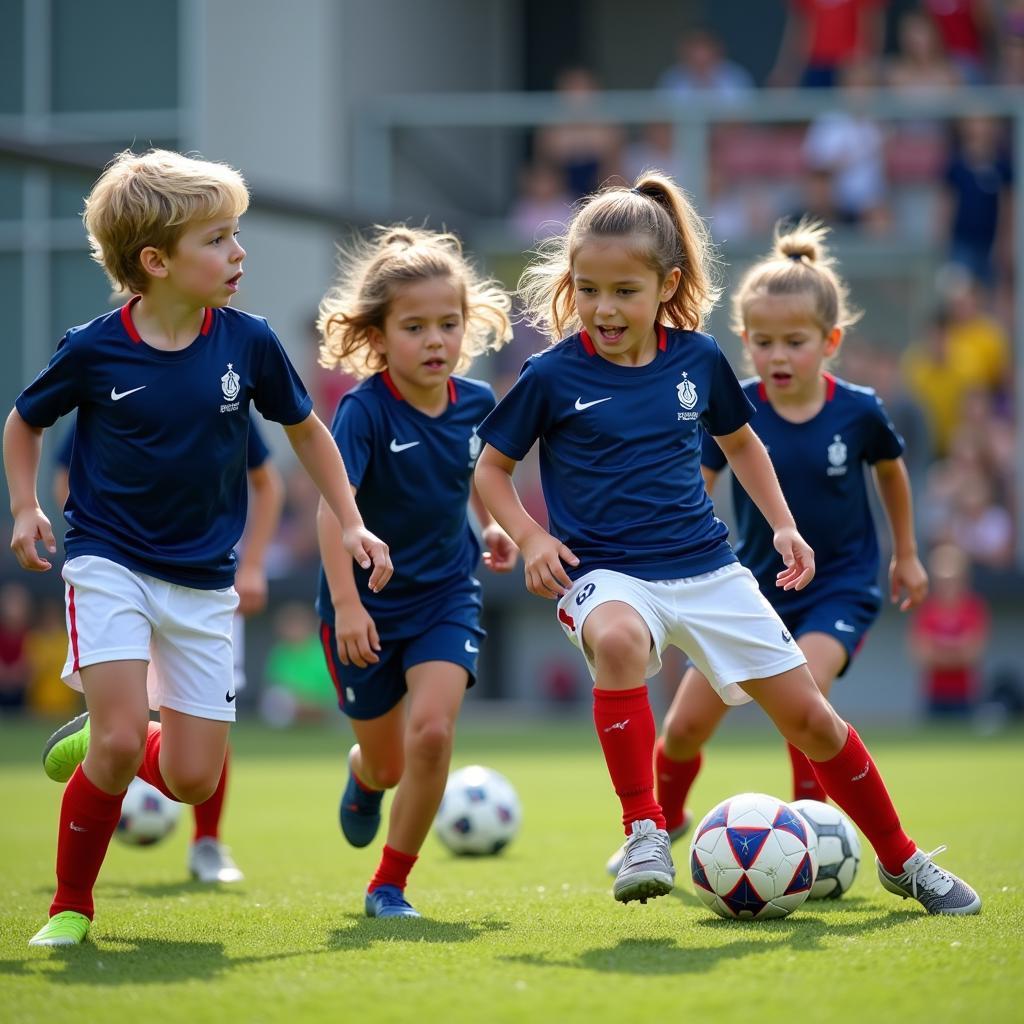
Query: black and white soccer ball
(479,812)
(838,848)
(147,816)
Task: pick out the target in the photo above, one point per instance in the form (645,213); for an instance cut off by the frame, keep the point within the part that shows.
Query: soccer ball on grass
(147,816)
(838,848)
(479,812)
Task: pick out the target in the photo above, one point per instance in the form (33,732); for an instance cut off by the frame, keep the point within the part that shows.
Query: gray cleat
(938,891)
(615,860)
(646,870)
(210,861)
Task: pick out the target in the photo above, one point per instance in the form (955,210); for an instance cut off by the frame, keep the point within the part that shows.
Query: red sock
(393,869)
(852,779)
(208,813)
(674,779)
(88,817)
(149,770)
(806,784)
(625,728)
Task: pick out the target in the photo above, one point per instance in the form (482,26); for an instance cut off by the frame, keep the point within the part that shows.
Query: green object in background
(302,671)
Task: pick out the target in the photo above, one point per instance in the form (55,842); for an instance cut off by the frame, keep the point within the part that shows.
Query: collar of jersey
(453,395)
(617,370)
(830,388)
(129,324)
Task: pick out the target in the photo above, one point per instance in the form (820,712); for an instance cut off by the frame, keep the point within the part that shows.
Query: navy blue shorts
(847,617)
(367,693)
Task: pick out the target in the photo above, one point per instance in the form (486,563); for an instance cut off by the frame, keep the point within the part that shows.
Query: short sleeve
(352,430)
(278,391)
(55,391)
(711,455)
(728,407)
(883,442)
(519,418)
(256,450)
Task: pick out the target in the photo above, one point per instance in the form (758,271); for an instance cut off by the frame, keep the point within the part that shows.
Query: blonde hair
(657,216)
(149,200)
(799,263)
(371,272)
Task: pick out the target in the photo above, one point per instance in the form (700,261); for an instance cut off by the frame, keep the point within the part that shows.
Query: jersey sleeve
(256,450)
(883,442)
(711,455)
(278,391)
(352,430)
(519,418)
(728,407)
(55,391)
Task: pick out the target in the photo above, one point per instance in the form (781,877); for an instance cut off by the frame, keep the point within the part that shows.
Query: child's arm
(542,554)
(710,476)
(313,444)
(22,449)
(908,581)
(501,553)
(751,465)
(264,515)
(355,630)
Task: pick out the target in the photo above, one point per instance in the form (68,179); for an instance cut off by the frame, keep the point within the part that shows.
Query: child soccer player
(636,558)
(408,315)
(209,860)
(157,497)
(791,310)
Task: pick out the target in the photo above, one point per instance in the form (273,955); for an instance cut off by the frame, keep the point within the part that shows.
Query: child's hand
(907,580)
(251,585)
(356,635)
(543,556)
(368,549)
(30,527)
(797,557)
(501,553)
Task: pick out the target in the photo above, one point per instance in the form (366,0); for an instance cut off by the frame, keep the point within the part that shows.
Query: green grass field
(531,935)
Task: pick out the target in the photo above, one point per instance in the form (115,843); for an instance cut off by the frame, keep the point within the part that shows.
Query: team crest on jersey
(686,392)
(475,444)
(836,457)
(230,385)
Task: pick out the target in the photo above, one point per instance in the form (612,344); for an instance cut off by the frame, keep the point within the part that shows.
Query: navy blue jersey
(158,475)
(820,465)
(620,451)
(412,475)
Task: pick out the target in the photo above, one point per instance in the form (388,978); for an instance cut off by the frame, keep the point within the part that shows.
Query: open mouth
(611,333)
(782,380)
(435,364)
(233,281)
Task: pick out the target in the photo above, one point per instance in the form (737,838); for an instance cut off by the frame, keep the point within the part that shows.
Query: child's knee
(685,734)
(119,748)
(431,739)
(817,728)
(385,773)
(623,641)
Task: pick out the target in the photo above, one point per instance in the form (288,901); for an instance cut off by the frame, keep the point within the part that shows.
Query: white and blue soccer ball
(147,816)
(753,856)
(479,812)
(838,848)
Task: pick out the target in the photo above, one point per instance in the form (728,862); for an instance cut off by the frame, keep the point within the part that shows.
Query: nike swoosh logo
(116,395)
(845,627)
(229,697)
(77,828)
(396,447)
(581,405)
(470,649)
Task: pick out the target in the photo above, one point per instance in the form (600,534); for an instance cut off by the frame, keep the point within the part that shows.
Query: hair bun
(398,236)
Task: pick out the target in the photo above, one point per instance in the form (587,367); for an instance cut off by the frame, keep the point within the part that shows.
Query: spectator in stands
(980,524)
(586,152)
(978,180)
(15,612)
(543,204)
(921,64)
(701,67)
(822,36)
(979,343)
(965,27)
(1010,59)
(849,145)
(948,636)
(46,648)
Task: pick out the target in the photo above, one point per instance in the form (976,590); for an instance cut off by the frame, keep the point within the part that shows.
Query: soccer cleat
(938,891)
(359,811)
(646,870)
(388,901)
(68,928)
(210,861)
(65,750)
(615,860)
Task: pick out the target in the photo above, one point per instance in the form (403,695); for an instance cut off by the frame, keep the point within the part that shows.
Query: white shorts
(116,614)
(720,619)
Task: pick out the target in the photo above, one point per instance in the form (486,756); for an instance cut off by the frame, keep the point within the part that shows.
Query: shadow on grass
(364,931)
(726,942)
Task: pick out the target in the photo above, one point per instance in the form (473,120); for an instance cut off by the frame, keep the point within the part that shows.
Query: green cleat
(68,928)
(65,750)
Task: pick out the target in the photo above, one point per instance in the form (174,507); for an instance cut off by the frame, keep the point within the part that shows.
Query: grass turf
(529,935)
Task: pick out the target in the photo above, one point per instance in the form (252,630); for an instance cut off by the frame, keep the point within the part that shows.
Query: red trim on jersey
(564,616)
(662,337)
(762,391)
(325,643)
(73,628)
(588,345)
(395,393)
(207,321)
(126,319)
(452,395)
(830,386)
